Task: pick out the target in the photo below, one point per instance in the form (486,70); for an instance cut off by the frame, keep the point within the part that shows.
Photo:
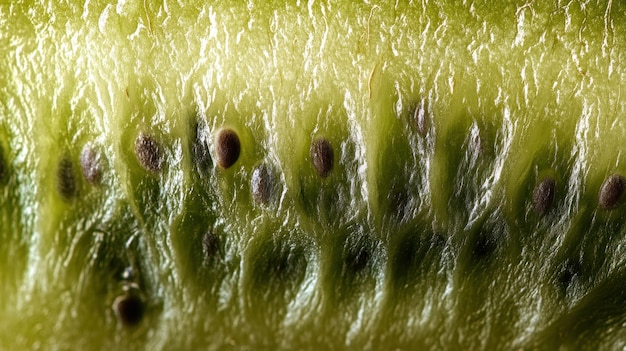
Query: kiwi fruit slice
(312,175)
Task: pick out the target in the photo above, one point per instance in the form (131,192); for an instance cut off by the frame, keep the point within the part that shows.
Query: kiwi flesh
(264,175)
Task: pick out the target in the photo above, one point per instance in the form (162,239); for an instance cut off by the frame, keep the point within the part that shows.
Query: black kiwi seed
(129,309)
(322,156)
(228,148)
(149,153)
(66,181)
(611,192)
(91,165)
(543,195)
(262,184)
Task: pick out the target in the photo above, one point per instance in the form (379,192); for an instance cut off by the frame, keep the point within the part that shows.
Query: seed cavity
(543,195)
(91,165)
(276,272)
(228,148)
(322,156)
(399,201)
(406,257)
(262,184)
(421,119)
(356,258)
(200,149)
(66,180)
(279,263)
(129,309)
(149,153)
(611,192)
(210,244)
(484,245)
(568,274)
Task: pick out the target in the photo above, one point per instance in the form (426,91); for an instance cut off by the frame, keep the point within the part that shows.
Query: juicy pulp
(442,119)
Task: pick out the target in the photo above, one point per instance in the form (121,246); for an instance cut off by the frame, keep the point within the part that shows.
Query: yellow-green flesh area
(261,175)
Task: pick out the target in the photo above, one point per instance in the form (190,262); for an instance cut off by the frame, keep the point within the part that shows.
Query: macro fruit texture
(305,175)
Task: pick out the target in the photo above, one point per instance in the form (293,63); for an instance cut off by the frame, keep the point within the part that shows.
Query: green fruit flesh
(262,175)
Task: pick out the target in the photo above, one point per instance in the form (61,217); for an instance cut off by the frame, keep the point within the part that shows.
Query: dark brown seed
(91,165)
(262,184)
(421,118)
(322,156)
(129,309)
(543,195)
(228,148)
(611,192)
(66,181)
(149,153)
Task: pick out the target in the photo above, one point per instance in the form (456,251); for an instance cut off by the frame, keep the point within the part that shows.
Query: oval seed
(91,165)
(322,156)
(611,192)
(66,181)
(129,309)
(543,195)
(149,153)
(262,184)
(228,148)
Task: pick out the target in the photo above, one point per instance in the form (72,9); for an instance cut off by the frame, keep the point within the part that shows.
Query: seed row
(129,307)
(150,155)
